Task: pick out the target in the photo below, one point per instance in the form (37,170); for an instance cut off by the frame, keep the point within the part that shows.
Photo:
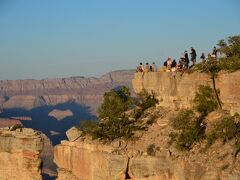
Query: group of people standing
(182,65)
(183,62)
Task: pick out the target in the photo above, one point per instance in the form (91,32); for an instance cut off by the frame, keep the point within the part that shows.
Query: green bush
(114,122)
(118,127)
(151,150)
(115,103)
(205,100)
(88,126)
(146,100)
(189,129)
(226,129)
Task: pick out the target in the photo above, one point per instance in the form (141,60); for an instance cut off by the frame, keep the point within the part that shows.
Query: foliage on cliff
(146,100)
(115,115)
(226,129)
(205,100)
(115,103)
(188,125)
(189,129)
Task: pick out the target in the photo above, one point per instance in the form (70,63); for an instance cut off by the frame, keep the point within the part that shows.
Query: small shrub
(118,127)
(205,100)
(189,130)
(88,126)
(147,100)
(151,150)
(226,129)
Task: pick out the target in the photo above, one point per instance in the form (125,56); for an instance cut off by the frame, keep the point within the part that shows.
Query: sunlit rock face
(176,91)
(81,158)
(19,154)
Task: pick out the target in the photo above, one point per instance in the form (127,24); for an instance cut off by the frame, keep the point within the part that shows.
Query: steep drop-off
(150,156)
(19,154)
(176,91)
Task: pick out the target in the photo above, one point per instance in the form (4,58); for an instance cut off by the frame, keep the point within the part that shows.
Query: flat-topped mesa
(178,91)
(19,153)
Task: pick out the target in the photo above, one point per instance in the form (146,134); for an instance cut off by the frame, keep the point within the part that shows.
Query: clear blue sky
(60,38)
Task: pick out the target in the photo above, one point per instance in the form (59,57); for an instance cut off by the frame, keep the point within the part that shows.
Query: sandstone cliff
(19,154)
(28,94)
(177,91)
(150,156)
(84,159)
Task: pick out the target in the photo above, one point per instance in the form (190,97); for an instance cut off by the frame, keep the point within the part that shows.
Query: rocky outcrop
(27,94)
(176,91)
(150,157)
(5,122)
(79,160)
(60,114)
(19,154)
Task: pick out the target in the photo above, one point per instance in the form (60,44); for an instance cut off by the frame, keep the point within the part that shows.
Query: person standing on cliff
(193,56)
(202,57)
(214,52)
(186,59)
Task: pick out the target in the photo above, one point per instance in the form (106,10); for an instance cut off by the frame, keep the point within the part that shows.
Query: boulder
(73,133)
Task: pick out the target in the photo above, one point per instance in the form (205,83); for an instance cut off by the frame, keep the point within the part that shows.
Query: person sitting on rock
(154,67)
(169,63)
(151,68)
(141,67)
(147,67)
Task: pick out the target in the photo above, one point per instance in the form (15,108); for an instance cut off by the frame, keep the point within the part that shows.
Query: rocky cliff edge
(19,153)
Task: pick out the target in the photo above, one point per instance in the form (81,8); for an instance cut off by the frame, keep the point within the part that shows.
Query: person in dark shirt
(193,55)
(202,57)
(214,52)
(174,63)
(186,59)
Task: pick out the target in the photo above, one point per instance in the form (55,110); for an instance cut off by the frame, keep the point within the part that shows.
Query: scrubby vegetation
(146,100)
(189,130)
(205,100)
(226,129)
(189,125)
(115,117)
(151,150)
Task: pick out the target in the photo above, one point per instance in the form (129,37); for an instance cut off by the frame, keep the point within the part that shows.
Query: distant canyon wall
(176,91)
(28,94)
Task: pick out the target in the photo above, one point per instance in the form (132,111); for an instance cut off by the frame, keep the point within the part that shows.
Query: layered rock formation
(176,91)
(19,154)
(60,114)
(28,94)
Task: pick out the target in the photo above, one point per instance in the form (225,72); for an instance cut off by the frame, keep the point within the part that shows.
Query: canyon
(79,157)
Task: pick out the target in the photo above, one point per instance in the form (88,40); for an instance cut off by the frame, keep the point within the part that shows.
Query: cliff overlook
(151,154)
